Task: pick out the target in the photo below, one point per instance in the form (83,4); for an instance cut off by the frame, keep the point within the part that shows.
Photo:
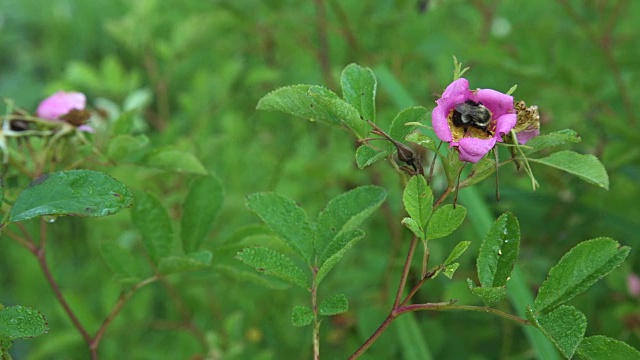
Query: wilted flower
(528,124)
(472,121)
(66,106)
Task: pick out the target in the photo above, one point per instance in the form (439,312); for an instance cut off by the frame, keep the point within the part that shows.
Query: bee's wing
(464,108)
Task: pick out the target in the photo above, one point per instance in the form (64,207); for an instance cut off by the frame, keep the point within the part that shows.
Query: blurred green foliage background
(206,64)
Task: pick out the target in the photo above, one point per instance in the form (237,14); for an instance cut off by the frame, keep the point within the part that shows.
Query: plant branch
(405,271)
(415,289)
(443,197)
(374,336)
(449,306)
(316,323)
(323,43)
(122,299)
(40,254)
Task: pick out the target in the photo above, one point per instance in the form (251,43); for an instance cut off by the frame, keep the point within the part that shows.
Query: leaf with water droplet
(20,322)
(73,192)
(499,251)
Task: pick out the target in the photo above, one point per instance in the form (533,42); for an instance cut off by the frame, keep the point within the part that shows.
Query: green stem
(448,306)
(316,322)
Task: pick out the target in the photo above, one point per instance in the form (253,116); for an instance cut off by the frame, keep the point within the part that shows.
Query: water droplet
(50,218)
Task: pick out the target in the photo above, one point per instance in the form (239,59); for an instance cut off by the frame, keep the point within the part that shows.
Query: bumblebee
(474,114)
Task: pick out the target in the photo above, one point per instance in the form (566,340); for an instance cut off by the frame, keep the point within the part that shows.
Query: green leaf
(121,261)
(586,167)
(124,123)
(412,225)
(457,251)
(153,222)
(336,250)
(558,138)
(241,276)
(190,262)
(499,251)
(347,211)
(128,148)
(337,304)
(359,89)
(604,348)
(175,160)
(489,295)
(450,269)
(564,327)
(418,200)
(445,220)
(72,192)
(301,316)
(286,219)
(343,112)
(366,155)
(199,210)
(399,131)
(338,243)
(273,263)
(422,140)
(21,322)
(297,100)
(578,269)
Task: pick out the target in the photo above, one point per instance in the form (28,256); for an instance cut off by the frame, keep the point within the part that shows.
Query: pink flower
(63,103)
(472,139)
(60,104)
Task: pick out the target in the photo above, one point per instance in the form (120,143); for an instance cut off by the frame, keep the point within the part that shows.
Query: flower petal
(61,103)
(526,135)
(86,128)
(457,92)
(505,124)
(440,123)
(457,87)
(497,102)
(473,149)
